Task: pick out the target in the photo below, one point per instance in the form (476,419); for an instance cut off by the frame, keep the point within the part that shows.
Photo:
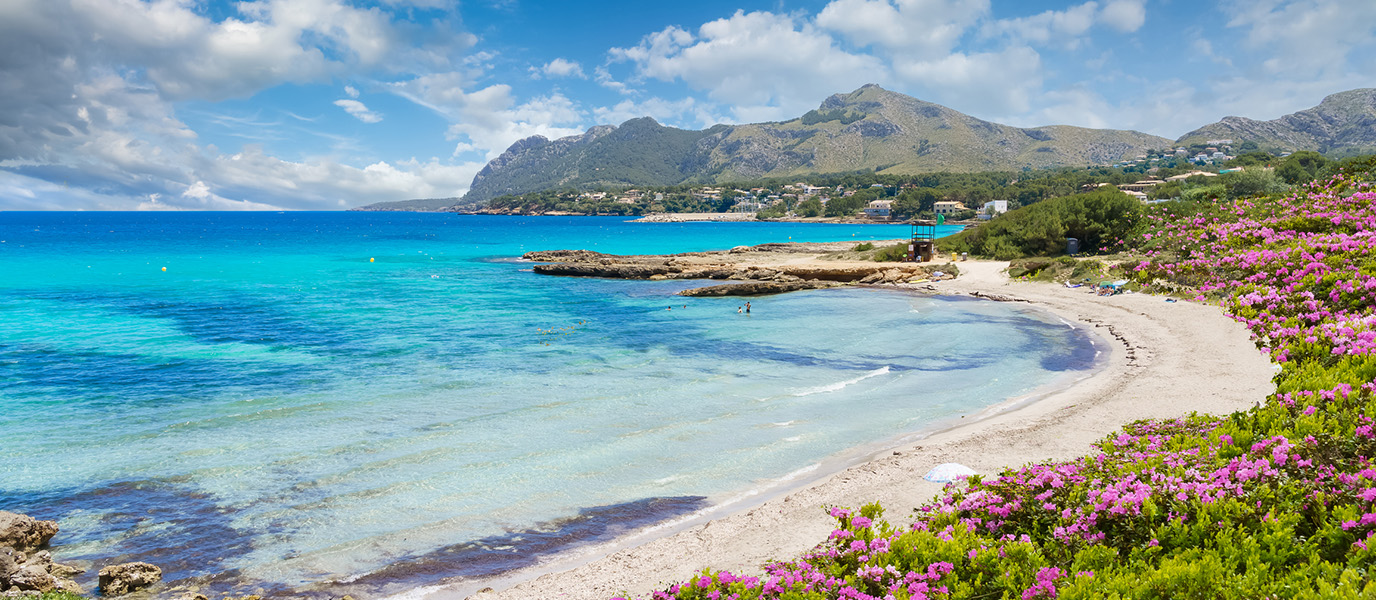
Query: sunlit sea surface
(393,398)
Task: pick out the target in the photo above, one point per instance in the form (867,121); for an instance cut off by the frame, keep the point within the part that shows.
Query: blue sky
(330,104)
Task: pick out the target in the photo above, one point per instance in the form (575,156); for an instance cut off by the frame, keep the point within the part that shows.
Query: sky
(333,104)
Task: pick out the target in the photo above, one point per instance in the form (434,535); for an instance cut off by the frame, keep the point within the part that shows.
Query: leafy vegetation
(1096,219)
(1276,501)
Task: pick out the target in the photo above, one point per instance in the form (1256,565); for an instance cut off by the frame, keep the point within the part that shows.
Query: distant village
(1147,177)
(754,200)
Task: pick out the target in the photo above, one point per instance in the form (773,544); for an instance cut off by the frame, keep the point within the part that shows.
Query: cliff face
(1343,124)
(870,128)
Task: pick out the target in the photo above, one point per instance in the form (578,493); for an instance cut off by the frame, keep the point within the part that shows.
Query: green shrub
(893,253)
(1098,219)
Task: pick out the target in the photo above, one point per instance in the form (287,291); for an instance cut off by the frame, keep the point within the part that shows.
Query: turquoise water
(276,409)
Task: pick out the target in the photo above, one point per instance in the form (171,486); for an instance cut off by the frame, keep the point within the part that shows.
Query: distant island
(417,205)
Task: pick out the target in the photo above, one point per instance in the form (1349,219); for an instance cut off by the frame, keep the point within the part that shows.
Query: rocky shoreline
(27,568)
(758,270)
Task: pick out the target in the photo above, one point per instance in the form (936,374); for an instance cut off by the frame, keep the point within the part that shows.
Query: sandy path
(1168,359)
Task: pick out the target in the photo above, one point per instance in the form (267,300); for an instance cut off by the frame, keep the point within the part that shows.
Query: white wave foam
(840,385)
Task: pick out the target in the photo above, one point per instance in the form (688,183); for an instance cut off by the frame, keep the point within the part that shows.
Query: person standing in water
(747,308)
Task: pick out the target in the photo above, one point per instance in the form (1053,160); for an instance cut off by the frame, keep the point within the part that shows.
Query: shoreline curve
(1167,360)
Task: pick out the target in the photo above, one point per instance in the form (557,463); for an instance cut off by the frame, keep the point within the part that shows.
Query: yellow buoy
(164,268)
(370,260)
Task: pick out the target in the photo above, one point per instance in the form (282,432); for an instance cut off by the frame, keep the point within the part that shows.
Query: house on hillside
(1184,176)
(1141,186)
(879,209)
(992,208)
(948,207)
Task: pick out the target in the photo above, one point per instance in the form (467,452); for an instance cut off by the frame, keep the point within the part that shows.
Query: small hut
(923,245)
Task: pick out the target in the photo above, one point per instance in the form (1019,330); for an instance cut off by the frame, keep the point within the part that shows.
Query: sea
(286,403)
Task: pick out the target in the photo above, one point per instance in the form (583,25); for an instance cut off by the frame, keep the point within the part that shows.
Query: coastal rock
(33,577)
(67,585)
(62,571)
(10,564)
(615,271)
(124,578)
(564,256)
(757,288)
(24,533)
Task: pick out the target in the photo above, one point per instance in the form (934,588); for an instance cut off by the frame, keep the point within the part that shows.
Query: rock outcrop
(23,567)
(24,533)
(121,579)
(765,269)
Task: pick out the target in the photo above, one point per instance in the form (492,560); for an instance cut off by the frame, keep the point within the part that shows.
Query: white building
(991,208)
(879,209)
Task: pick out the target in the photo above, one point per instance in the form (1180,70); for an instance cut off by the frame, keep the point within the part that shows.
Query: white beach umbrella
(948,472)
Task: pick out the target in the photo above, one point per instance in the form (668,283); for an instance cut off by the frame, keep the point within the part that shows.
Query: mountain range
(1344,124)
(874,129)
(868,129)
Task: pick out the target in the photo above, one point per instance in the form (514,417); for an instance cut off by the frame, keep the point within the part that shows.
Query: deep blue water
(301,397)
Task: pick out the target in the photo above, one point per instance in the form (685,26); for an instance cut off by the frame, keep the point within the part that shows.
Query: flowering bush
(1277,501)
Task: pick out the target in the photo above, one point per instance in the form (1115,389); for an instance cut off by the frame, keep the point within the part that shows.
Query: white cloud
(488,120)
(685,113)
(562,68)
(1067,27)
(1306,36)
(605,79)
(99,80)
(763,65)
(1126,16)
(351,91)
(1053,25)
(358,110)
(994,84)
(922,29)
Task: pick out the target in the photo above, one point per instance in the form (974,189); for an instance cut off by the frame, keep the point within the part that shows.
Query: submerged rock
(124,578)
(757,288)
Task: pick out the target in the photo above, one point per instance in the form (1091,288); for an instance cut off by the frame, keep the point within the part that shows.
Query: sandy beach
(1167,359)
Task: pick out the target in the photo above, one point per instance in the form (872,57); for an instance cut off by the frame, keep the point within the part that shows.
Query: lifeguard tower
(923,245)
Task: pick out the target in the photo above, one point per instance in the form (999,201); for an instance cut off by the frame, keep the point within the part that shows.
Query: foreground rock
(765,269)
(24,568)
(24,533)
(122,579)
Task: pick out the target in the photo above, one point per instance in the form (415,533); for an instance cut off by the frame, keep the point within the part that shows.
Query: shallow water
(274,409)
